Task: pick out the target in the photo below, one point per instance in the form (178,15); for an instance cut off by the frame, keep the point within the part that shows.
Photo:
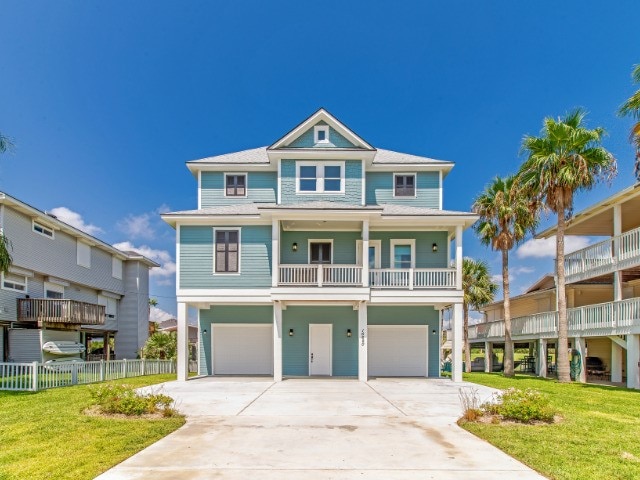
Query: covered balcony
(60,311)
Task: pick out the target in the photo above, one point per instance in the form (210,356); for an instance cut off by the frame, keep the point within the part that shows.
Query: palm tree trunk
(508,344)
(465,330)
(563,341)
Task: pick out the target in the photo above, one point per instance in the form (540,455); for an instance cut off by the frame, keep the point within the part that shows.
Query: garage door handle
(312,358)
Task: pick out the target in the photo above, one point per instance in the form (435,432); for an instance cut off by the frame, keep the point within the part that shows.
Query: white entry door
(320,349)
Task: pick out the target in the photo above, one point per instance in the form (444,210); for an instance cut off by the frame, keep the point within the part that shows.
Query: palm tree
(161,345)
(505,219)
(566,158)
(478,290)
(5,245)
(632,108)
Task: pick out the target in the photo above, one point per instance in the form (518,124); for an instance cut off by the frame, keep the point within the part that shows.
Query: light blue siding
(344,246)
(352,187)
(261,187)
(227,314)
(425,257)
(335,140)
(196,259)
(295,349)
(418,315)
(380,190)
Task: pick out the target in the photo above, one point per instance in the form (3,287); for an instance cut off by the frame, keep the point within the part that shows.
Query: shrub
(521,406)
(470,404)
(123,399)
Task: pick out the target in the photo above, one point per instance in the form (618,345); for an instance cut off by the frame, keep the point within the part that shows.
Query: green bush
(123,399)
(521,406)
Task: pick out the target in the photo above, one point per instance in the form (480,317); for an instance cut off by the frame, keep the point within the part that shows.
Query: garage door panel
(242,349)
(399,351)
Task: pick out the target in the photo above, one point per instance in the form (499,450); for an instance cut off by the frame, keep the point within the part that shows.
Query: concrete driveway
(240,428)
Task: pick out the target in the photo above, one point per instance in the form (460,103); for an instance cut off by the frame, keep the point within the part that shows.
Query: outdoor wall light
(204,332)
(291,332)
(434,331)
(294,246)
(434,247)
(348,332)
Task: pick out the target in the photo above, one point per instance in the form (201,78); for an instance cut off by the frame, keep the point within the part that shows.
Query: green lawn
(599,437)
(46,435)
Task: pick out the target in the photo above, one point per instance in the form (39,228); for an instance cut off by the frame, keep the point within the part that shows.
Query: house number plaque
(362,337)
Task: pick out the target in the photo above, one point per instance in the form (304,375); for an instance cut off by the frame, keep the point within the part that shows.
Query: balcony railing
(611,318)
(410,278)
(618,252)
(320,275)
(60,311)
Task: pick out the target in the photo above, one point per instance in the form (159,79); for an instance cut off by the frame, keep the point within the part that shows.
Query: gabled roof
(248,157)
(321,116)
(389,157)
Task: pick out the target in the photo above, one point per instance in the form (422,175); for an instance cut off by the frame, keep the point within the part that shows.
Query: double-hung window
(235,185)
(403,253)
(320,252)
(404,185)
(319,177)
(227,251)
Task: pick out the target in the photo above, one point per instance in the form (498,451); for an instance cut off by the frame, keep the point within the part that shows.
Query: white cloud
(546,247)
(519,270)
(137,226)
(75,220)
(158,315)
(167,266)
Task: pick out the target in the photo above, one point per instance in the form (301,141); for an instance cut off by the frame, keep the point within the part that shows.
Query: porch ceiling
(314,225)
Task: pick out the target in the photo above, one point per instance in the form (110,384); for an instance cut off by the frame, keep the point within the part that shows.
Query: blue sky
(107,100)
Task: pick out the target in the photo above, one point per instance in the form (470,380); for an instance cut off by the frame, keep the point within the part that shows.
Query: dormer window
(321,134)
(404,185)
(320,177)
(235,185)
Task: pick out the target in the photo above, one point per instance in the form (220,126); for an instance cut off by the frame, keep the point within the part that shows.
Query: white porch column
(542,357)
(581,346)
(459,258)
(488,357)
(617,230)
(365,253)
(363,336)
(277,342)
(616,362)
(275,252)
(183,342)
(456,343)
(633,357)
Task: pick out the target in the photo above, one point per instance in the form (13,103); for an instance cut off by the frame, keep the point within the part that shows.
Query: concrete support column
(459,258)
(363,336)
(580,345)
(183,342)
(616,362)
(456,343)
(277,342)
(275,252)
(365,253)
(617,230)
(633,357)
(488,357)
(542,357)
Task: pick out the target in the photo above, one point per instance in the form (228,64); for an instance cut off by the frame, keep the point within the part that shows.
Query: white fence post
(102,369)
(34,376)
(142,368)
(124,368)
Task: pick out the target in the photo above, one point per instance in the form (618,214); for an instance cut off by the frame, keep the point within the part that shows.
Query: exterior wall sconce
(204,332)
(434,247)
(348,332)
(291,332)
(294,246)
(434,331)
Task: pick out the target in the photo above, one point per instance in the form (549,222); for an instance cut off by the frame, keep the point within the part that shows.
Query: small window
(227,251)
(235,185)
(54,291)
(403,253)
(17,283)
(308,178)
(320,252)
(332,178)
(316,177)
(321,134)
(405,186)
(116,268)
(42,230)
(84,254)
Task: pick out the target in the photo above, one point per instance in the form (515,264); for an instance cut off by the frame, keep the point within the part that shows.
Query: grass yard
(599,437)
(46,435)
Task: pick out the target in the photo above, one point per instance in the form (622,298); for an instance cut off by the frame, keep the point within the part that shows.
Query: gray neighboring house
(67,286)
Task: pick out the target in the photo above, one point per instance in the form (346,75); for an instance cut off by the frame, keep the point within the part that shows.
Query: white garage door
(242,349)
(398,351)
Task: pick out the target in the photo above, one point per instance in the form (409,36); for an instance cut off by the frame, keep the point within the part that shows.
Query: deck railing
(60,311)
(38,376)
(319,275)
(412,278)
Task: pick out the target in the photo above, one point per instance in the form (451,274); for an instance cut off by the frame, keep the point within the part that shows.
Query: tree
(505,219)
(632,108)
(566,158)
(478,290)
(5,245)
(161,345)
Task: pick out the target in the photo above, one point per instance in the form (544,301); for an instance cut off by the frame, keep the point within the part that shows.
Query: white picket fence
(39,376)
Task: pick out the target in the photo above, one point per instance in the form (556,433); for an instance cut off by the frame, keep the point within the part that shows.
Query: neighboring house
(603,297)
(319,255)
(171,325)
(67,286)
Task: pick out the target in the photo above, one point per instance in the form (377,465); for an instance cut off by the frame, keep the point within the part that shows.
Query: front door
(320,349)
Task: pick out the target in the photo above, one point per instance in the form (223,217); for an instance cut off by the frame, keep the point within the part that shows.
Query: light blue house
(319,255)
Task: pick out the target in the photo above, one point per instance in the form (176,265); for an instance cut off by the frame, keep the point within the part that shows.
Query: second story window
(404,185)
(42,230)
(11,281)
(227,251)
(316,177)
(235,185)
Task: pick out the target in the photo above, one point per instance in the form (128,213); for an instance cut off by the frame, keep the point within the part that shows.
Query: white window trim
(228,274)
(377,244)
(402,241)
(321,128)
(114,260)
(43,227)
(320,177)
(78,249)
(53,287)
(246,184)
(415,184)
(318,240)
(25,284)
